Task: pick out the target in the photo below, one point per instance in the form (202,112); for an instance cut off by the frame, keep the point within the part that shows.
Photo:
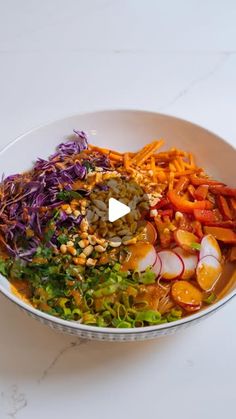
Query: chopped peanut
(70,243)
(63,249)
(91,262)
(79,261)
(88,250)
(72,250)
(83,243)
(99,248)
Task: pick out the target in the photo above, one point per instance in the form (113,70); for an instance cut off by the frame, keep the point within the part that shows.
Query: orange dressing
(208,276)
(150,294)
(215,245)
(21,289)
(136,253)
(226,282)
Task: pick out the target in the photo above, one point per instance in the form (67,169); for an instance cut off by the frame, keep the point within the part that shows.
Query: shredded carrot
(161,176)
(159,167)
(105,150)
(96,148)
(171,180)
(153,168)
(172,167)
(177,165)
(141,152)
(147,152)
(187,165)
(181,163)
(162,169)
(116,157)
(169,155)
(187,172)
(192,160)
(127,161)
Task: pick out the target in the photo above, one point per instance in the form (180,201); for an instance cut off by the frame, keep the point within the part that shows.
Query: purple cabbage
(74,146)
(68,221)
(101,161)
(103,187)
(25,195)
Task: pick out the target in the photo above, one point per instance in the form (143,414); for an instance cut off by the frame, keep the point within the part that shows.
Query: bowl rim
(111,330)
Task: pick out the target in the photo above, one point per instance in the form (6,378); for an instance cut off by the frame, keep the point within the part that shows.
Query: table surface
(61,57)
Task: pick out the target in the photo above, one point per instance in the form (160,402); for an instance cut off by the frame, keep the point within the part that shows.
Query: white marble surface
(59,57)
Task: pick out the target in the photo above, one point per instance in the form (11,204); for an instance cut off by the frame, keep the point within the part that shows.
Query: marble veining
(74,344)
(224,57)
(13,401)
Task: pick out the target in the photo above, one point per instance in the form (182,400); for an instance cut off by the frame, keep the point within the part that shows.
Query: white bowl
(122,130)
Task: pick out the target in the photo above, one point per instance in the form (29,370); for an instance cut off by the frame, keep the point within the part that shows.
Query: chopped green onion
(63,239)
(116,267)
(123,325)
(195,246)
(148,277)
(68,195)
(150,316)
(174,315)
(76,313)
(89,318)
(3,267)
(110,289)
(210,299)
(88,166)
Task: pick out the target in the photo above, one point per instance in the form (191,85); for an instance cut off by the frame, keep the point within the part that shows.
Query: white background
(59,57)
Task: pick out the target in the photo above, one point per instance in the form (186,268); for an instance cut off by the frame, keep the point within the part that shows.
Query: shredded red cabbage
(28,201)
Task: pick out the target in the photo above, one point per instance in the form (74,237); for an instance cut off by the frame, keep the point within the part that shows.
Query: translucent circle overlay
(128,228)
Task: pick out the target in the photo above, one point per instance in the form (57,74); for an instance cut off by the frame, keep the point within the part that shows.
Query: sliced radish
(150,232)
(208,272)
(140,256)
(172,265)
(189,260)
(210,247)
(185,239)
(157,266)
(190,308)
(186,295)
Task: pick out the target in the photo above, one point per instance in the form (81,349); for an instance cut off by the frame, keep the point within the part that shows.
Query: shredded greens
(102,296)
(68,195)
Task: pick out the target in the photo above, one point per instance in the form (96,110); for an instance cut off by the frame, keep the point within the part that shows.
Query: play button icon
(116,210)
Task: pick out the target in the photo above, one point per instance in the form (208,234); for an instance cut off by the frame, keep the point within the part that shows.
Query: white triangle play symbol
(116,210)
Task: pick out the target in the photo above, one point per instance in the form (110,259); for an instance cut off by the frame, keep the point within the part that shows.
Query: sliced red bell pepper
(201,192)
(233,204)
(164,202)
(222,234)
(224,207)
(197,229)
(223,190)
(196,181)
(184,205)
(217,214)
(204,216)
(191,191)
(182,184)
(225,224)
